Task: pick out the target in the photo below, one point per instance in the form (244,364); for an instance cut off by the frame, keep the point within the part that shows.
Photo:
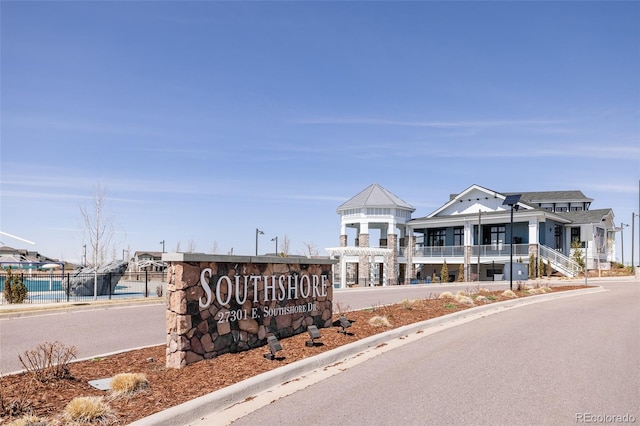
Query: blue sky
(203,121)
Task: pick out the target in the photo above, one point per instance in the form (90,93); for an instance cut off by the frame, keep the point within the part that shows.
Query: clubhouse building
(477,233)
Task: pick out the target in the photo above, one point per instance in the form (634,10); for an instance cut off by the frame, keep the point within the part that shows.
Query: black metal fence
(74,287)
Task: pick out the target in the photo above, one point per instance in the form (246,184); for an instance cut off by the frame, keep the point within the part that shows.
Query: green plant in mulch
(14,289)
(444,273)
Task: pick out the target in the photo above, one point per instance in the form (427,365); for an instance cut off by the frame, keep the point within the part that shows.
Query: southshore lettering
(276,287)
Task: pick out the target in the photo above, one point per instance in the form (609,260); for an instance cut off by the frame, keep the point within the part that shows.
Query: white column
(533,231)
(364,228)
(468,234)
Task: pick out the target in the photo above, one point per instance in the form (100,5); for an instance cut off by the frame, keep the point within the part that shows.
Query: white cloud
(434,124)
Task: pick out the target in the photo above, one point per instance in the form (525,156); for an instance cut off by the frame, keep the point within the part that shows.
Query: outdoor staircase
(561,263)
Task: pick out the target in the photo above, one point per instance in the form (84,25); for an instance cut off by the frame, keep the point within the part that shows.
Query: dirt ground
(22,394)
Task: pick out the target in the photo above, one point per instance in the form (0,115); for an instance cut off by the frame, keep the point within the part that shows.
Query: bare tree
(284,246)
(191,246)
(310,249)
(98,228)
(214,247)
(177,247)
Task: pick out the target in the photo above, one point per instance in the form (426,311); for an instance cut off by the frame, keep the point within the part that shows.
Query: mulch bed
(21,394)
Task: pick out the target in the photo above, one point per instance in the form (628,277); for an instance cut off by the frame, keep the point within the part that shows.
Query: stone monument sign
(218,304)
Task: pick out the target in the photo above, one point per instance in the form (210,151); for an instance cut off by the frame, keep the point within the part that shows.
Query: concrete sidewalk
(24,309)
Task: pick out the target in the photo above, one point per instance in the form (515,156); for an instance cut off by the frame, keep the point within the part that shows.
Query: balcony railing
(489,250)
(439,251)
(500,250)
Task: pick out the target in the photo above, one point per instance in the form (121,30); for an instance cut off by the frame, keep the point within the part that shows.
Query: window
(436,237)
(378,211)
(351,212)
(576,209)
(562,209)
(575,234)
(458,236)
(558,236)
(497,234)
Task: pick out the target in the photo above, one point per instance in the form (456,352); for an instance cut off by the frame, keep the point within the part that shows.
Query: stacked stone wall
(197,331)
(468,261)
(412,272)
(364,264)
(392,264)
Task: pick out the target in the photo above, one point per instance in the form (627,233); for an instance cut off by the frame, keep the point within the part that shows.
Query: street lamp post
(622,225)
(511,201)
(276,240)
(162,242)
(258,232)
(633,231)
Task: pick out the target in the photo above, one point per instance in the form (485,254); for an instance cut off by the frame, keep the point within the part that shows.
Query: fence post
(68,290)
(146,283)
(110,281)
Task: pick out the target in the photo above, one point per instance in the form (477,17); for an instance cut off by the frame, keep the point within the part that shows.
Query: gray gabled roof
(586,216)
(551,196)
(375,196)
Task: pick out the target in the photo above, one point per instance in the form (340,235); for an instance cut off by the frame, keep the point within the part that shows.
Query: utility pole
(622,225)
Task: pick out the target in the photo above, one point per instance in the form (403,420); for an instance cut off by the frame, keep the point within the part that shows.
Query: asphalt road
(562,362)
(92,331)
(96,331)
